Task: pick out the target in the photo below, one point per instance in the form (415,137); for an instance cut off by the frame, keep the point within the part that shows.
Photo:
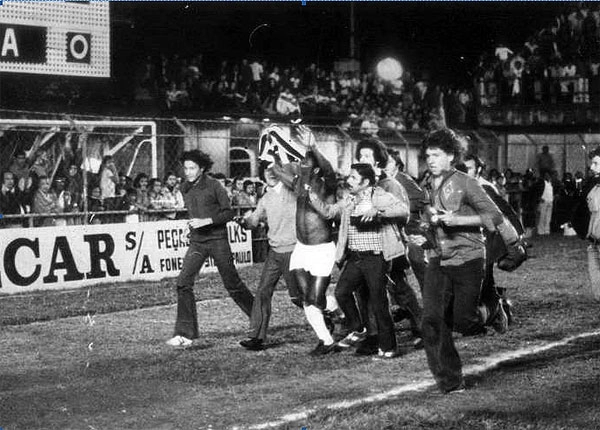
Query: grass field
(96,359)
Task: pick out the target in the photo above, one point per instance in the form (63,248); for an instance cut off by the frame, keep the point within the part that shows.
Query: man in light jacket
(368,241)
(278,209)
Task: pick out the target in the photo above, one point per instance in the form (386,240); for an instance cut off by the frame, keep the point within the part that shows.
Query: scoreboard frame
(55,37)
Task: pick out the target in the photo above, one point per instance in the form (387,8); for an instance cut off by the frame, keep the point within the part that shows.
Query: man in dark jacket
(209,210)
(10,200)
(459,209)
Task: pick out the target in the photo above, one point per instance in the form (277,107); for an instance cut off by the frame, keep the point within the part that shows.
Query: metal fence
(52,143)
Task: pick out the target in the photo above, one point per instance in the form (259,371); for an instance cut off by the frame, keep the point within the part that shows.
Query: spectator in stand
(140,184)
(155,195)
(545,161)
(237,186)
(74,185)
(125,183)
(248,195)
(274,75)
(156,199)
(131,205)
(95,204)
(545,199)
(19,166)
(40,167)
(44,202)
(245,77)
(259,186)
(172,198)
(10,201)
(257,74)
(287,103)
(529,203)
(64,201)
(109,177)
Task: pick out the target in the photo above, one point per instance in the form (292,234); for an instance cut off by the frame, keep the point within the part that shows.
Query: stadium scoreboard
(55,37)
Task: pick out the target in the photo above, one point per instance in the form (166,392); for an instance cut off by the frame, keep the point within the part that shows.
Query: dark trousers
(366,271)
(450,299)
(416,257)
(404,294)
(187,317)
(489,293)
(276,265)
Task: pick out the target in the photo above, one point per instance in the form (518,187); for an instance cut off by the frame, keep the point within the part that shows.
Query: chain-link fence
(57,161)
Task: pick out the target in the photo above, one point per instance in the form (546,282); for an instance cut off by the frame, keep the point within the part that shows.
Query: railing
(32,220)
(544,115)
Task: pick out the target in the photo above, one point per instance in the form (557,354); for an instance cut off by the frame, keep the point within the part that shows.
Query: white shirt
(548,194)
(502,53)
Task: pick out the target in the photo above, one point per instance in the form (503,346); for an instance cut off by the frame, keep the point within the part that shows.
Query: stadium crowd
(559,64)
(359,100)
(30,185)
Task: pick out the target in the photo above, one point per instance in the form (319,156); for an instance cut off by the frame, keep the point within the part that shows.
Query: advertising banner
(52,258)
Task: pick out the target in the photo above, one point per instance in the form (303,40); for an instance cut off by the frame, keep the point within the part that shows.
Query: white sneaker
(353,338)
(179,342)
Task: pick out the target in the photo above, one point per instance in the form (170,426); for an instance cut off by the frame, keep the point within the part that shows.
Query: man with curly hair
(209,209)
(453,277)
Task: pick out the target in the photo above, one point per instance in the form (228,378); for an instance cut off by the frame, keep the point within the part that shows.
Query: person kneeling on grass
(209,207)
(368,241)
(278,208)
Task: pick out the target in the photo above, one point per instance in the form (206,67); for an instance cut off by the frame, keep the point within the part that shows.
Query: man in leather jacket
(453,277)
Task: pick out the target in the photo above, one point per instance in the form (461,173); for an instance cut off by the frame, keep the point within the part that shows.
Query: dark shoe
(507,306)
(460,388)
(298,302)
(369,346)
(323,349)
(253,344)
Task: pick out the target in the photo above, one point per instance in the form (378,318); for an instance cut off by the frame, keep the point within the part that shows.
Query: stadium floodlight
(389,69)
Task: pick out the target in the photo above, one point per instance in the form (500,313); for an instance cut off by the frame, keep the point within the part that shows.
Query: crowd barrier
(54,258)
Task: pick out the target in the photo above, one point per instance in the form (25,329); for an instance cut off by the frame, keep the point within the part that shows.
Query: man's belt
(365,253)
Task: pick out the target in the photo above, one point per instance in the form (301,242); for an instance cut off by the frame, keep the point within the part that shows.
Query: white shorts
(318,260)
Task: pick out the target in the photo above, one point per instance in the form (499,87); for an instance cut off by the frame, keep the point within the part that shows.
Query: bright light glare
(389,69)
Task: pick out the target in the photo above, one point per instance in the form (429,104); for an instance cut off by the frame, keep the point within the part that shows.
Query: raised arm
(326,210)
(287,174)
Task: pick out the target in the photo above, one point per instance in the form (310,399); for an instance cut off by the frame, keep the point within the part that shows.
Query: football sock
(314,315)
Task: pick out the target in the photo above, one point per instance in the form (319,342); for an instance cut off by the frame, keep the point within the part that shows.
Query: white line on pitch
(475,369)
